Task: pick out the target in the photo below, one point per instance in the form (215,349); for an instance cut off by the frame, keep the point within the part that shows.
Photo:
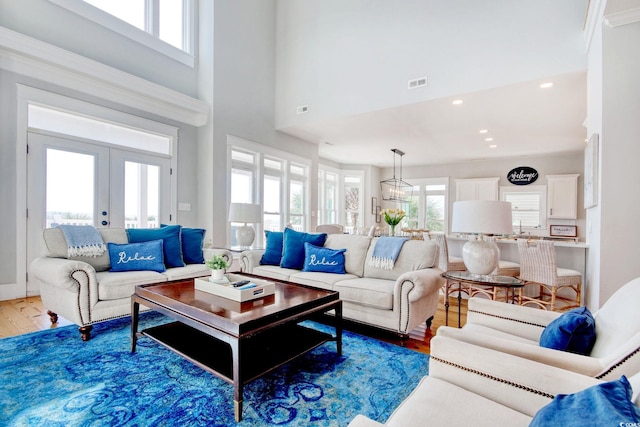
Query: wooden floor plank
(24,315)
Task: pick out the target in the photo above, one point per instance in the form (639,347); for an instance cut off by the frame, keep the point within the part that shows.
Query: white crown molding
(622,18)
(34,58)
(593,19)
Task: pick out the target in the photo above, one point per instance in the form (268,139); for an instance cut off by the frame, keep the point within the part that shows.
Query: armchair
(471,385)
(516,330)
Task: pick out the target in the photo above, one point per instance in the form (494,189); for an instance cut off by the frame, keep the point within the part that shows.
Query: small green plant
(216,262)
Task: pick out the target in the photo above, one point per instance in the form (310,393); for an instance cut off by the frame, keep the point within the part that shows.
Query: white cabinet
(477,189)
(562,196)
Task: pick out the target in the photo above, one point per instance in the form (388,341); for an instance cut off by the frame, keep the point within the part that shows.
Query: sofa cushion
(170,235)
(137,256)
(273,250)
(274,272)
(191,241)
(55,246)
(293,247)
(188,271)
(415,255)
(574,331)
(113,286)
(320,280)
(606,404)
(376,293)
(323,260)
(356,253)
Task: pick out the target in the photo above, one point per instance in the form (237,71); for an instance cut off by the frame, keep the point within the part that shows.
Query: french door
(74,181)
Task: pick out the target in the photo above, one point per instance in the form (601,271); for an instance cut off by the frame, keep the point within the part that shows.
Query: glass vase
(392,230)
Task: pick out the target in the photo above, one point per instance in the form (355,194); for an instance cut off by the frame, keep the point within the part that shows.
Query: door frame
(27,95)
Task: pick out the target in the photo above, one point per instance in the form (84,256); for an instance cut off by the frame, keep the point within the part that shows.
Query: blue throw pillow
(273,251)
(171,245)
(136,256)
(574,331)
(324,260)
(293,247)
(606,404)
(192,241)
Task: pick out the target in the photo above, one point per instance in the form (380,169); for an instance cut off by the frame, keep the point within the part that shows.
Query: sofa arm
(526,322)
(250,259)
(415,297)
(63,273)
(424,282)
(517,383)
(584,365)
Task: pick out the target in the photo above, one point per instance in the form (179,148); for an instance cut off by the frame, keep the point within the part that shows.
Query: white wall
(349,57)
(243,96)
(620,151)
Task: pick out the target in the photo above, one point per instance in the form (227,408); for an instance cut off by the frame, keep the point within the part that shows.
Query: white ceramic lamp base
(245,235)
(480,257)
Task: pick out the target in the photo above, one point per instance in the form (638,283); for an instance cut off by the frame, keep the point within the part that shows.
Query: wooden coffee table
(237,342)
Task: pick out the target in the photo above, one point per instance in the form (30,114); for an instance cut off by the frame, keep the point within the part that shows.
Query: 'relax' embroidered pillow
(137,256)
(324,260)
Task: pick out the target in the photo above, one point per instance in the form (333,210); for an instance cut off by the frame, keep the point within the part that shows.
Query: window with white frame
(352,191)
(427,208)
(327,197)
(528,206)
(276,180)
(170,23)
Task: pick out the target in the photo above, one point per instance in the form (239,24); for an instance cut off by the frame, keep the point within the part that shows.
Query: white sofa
(397,300)
(472,385)
(83,290)
(516,330)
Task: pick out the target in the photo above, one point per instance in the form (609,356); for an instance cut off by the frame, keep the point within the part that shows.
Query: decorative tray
(254,288)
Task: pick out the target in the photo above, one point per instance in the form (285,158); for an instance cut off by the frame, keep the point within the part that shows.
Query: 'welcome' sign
(522,175)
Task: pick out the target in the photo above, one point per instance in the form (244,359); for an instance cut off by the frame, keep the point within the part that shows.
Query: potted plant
(217,264)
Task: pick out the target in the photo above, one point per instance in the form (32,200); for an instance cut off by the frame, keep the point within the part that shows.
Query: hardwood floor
(20,316)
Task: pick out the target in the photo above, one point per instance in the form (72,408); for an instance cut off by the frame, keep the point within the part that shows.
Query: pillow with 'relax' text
(137,256)
(323,260)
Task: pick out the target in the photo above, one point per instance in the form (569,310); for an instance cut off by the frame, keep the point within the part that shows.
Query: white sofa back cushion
(356,250)
(56,246)
(415,255)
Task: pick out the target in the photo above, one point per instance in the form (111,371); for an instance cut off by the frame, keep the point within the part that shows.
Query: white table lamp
(245,213)
(481,217)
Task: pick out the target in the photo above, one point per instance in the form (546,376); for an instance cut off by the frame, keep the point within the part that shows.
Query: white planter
(217,274)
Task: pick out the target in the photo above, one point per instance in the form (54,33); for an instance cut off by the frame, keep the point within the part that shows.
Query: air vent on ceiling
(302,109)
(419,82)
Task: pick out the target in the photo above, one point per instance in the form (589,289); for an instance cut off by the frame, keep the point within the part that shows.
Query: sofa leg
(429,321)
(53,316)
(403,339)
(85,332)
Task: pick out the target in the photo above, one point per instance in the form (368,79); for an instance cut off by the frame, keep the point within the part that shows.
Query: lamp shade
(245,212)
(482,217)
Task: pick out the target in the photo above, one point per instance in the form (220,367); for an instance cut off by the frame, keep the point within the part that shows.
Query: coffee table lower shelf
(259,354)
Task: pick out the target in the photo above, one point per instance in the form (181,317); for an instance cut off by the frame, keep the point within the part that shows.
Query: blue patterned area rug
(53,378)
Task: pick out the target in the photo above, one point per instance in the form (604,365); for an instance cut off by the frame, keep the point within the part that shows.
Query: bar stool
(538,267)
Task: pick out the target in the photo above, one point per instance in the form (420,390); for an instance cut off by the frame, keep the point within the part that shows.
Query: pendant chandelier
(395,188)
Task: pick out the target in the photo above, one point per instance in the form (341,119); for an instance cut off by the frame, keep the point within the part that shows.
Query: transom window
(170,22)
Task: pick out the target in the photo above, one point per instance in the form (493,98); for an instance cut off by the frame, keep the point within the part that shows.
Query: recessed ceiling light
(546,85)
(457,102)
(483,131)
(488,139)
(493,146)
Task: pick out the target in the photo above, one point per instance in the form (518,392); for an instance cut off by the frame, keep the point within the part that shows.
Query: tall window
(327,197)
(427,208)
(352,201)
(168,21)
(276,180)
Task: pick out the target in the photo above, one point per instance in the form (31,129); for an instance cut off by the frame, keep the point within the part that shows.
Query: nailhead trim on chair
(507,318)
(617,365)
(491,377)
